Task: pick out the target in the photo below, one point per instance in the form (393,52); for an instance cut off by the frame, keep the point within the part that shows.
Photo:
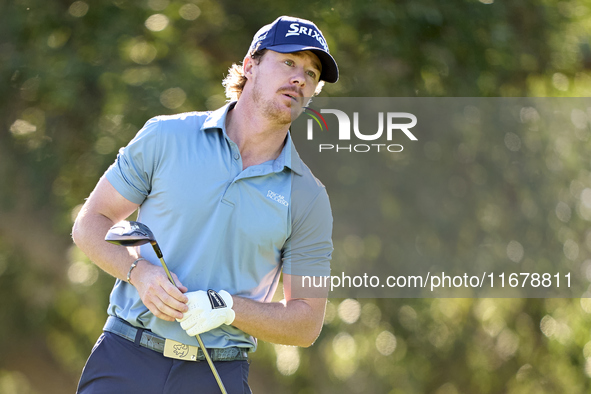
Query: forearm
(89,235)
(103,208)
(296,322)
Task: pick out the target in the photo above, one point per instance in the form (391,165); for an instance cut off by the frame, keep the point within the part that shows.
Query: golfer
(233,207)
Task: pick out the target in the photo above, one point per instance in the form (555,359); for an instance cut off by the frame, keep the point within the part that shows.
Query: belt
(169,347)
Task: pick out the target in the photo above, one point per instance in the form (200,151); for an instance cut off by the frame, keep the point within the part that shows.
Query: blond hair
(235,80)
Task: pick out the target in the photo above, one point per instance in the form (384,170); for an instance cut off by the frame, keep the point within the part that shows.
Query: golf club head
(127,233)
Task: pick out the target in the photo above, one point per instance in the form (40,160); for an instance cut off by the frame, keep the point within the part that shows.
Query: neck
(259,139)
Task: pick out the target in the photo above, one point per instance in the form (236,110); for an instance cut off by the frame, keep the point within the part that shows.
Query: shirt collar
(288,157)
(217,118)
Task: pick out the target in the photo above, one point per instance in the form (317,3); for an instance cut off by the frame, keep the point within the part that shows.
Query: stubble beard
(271,109)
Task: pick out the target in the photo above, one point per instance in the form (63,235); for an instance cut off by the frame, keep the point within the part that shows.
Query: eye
(311,73)
(289,62)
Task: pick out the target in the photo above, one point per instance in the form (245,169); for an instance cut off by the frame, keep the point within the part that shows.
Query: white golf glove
(207,310)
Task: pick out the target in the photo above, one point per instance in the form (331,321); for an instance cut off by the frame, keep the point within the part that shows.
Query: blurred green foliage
(78,79)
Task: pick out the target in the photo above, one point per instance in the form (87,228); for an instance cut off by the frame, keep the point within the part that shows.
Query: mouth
(293,97)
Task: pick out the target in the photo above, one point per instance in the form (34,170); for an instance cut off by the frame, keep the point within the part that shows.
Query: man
(232,205)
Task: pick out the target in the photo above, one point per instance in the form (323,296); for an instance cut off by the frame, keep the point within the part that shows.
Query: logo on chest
(277,197)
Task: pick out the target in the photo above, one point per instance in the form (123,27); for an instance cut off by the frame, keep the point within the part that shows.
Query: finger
(194,318)
(205,322)
(180,286)
(173,298)
(166,309)
(154,295)
(187,324)
(195,331)
(199,327)
(157,312)
(161,304)
(175,293)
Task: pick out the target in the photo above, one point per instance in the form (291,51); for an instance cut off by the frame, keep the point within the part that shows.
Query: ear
(247,64)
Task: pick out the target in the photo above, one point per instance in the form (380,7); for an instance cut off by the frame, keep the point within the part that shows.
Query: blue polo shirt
(219,227)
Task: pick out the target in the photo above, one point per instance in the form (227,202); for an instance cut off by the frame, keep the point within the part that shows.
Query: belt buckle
(180,351)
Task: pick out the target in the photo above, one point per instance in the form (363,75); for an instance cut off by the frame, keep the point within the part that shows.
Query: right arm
(104,207)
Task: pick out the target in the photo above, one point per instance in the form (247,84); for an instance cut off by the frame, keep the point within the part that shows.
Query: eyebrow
(316,63)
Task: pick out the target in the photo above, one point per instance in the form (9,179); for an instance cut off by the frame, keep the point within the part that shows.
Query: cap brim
(330,70)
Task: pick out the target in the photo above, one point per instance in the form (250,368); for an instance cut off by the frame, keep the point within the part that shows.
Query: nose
(298,77)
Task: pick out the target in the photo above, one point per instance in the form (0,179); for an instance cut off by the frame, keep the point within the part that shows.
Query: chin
(279,114)
(296,111)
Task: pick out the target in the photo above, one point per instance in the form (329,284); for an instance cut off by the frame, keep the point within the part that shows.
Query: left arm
(292,321)
(298,318)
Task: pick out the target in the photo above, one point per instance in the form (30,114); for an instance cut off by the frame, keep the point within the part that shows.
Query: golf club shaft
(167,272)
(205,352)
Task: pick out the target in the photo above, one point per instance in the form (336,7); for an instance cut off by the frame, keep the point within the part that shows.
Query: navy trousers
(117,365)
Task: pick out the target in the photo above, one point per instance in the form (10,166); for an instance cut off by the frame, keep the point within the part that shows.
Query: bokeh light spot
(288,359)
(189,12)
(344,345)
(78,9)
(563,212)
(560,81)
(512,142)
(22,127)
(586,197)
(349,311)
(548,326)
(386,343)
(173,98)
(330,313)
(158,5)
(82,273)
(371,315)
(157,22)
(571,249)
(515,251)
(143,53)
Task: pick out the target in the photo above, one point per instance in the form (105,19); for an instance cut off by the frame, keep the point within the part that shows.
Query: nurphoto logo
(392,121)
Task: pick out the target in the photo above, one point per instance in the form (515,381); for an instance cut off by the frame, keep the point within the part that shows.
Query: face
(280,82)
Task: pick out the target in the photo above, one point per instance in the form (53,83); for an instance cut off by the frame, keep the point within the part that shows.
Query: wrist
(229,300)
(132,268)
(227,297)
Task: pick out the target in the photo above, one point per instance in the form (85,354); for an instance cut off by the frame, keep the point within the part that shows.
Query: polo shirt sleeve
(131,174)
(308,250)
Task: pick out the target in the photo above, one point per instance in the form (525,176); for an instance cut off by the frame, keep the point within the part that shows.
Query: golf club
(128,234)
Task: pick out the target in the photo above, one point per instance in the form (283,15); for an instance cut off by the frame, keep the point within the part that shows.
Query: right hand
(161,297)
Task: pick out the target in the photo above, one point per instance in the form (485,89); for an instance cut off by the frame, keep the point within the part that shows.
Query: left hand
(207,310)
